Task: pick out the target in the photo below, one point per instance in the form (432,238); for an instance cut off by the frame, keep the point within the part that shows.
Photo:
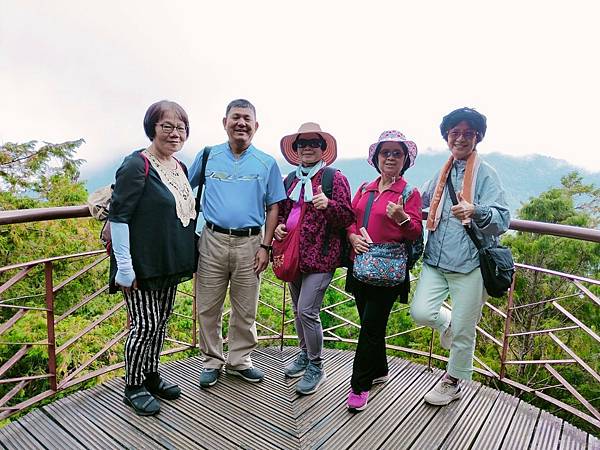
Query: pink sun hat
(290,153)
(393,136)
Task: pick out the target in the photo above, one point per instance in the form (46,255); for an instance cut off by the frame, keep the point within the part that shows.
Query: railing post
(282,319)
(509,310)
(50,324)
(430,351)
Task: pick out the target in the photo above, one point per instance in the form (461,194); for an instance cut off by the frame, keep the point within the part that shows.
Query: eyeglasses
(312,143)
(168,128)
(467,134)
(392,153)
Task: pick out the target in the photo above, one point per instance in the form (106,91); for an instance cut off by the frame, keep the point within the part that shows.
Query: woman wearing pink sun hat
(389,209)
(318,207)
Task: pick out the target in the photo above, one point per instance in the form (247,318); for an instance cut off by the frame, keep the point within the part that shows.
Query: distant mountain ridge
(523,177)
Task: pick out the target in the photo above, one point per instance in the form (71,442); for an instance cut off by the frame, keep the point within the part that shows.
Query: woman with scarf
(450,261)
(322,228)
(391,209)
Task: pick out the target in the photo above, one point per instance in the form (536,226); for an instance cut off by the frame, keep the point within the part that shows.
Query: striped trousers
(149,312)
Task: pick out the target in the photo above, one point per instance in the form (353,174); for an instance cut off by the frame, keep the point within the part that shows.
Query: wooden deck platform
(269,415)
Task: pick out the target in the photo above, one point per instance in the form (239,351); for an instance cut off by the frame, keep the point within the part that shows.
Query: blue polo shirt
(237,190)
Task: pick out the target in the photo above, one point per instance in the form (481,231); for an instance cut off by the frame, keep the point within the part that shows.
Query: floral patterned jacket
(314,258)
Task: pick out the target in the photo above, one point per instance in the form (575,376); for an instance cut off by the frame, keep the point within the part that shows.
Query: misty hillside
(523,177)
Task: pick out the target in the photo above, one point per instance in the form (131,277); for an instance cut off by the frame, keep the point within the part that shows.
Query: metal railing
(510,361)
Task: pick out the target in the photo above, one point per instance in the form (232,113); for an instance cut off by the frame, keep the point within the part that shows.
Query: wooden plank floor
(270,415)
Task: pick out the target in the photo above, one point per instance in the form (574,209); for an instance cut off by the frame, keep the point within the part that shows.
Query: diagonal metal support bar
(574,355)
(573,391)
(90,327)
(579,323)
(16,278)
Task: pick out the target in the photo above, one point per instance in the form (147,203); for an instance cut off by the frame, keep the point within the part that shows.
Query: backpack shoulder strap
(327,180)
(408,190)
(327,186)
(289,179)
(205,154)
(146,164)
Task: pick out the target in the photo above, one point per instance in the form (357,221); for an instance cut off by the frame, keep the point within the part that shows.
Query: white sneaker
(443,393)
(446,338)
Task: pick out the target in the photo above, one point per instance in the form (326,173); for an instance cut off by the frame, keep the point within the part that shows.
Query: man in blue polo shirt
(242,188)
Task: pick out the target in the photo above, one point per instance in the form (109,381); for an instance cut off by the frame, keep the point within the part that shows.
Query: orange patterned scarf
(468,188)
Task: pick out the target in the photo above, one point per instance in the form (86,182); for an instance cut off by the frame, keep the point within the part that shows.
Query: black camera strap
(468,228)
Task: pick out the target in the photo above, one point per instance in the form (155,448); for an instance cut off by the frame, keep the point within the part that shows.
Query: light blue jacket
(449,247)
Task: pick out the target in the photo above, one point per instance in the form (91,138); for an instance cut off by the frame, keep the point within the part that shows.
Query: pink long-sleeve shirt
(381,228)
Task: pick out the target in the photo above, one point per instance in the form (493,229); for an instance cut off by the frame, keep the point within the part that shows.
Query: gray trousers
(307,297)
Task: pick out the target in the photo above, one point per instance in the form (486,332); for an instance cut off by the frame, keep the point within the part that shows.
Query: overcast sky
(89,69)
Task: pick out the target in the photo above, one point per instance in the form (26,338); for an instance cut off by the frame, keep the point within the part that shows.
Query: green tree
(37,176)
(574,203)
(30,166)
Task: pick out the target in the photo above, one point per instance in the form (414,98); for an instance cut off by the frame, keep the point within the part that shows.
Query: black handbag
(496,263)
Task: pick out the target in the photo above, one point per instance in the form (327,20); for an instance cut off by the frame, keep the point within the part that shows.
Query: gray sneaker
(209,377)
(312,379)
(298,366)
(444,392)
(251,374)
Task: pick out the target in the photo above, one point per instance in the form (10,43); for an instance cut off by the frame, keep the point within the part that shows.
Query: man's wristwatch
(268,248)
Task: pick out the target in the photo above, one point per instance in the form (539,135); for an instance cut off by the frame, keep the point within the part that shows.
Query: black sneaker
(252,374)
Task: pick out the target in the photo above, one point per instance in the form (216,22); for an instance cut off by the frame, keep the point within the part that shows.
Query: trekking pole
(282,318)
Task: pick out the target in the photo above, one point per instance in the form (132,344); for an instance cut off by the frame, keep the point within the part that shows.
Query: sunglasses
(392,153)
(312,143)
(467,134)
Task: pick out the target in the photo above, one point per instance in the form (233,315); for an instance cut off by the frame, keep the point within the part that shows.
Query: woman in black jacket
(152,218)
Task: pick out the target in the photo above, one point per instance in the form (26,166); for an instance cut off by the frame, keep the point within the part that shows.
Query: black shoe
(142,401)
(158,386)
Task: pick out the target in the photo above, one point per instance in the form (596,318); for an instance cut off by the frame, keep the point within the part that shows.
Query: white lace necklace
(176,181)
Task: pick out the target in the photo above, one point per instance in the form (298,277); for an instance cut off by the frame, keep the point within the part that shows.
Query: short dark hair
(240,103)
(406,157)
(474,118)
(155,112)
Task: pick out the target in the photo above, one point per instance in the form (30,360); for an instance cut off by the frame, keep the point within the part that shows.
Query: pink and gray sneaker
(357,402)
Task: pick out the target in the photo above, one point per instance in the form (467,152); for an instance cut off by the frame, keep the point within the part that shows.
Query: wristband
(404,221)
(268,248)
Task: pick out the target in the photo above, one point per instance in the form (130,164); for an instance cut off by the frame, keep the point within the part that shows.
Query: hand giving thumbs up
(395,211)
(463,210)
(320,200)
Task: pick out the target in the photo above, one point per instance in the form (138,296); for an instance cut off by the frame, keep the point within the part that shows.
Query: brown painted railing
(339,317)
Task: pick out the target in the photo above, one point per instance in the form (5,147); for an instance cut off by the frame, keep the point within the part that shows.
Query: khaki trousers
(227,261)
